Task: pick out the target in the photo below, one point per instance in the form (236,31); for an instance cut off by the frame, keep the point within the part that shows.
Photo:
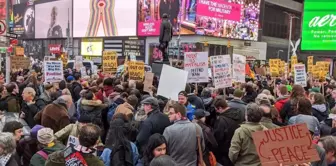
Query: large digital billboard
(94,18)
(24,20)
(236,19)
(319,25)
(51,18)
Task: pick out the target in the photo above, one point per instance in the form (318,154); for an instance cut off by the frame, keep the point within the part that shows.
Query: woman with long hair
(157,146)
(119,150)
(320,108)
(290,107)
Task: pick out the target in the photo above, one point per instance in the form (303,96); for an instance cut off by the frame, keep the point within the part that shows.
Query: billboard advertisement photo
(24,20)
(94,18)
(51,18)
(318,25)
(92,47)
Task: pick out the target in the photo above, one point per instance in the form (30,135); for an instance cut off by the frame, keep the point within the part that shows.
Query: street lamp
(278,53)
(291,17)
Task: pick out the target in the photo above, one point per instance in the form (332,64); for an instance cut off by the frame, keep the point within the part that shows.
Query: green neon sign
(319,25)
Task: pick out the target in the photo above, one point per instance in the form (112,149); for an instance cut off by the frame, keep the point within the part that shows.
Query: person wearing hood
(328,126)
(227,122)
(238,103)
(319,110)
(282,92)
(7,150)
(55,115)
(92,107)
(28,145)
(107,89)
(183,99)
(48,145)
(207,98)
(242,150)
(128,108)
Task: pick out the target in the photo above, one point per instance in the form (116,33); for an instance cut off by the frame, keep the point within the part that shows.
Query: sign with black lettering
(53,71)
(196,63)
(136,70)
(287,145)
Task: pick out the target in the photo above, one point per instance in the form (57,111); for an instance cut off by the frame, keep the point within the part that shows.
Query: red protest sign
(287,146)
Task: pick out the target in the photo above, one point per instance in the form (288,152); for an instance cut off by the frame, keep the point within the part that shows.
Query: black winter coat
(196,101)
(75,90)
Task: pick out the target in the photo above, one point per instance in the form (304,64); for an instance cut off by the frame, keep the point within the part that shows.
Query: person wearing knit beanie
(45,136)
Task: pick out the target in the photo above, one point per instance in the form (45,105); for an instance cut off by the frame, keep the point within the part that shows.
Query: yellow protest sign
(19,51)
(110,62)
(310,60)
(294,61)
(274,67)
(136,70)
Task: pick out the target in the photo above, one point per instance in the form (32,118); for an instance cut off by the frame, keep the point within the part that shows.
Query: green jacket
(243,151)
(267,122)
(38,160)
(57,159)
(69,130)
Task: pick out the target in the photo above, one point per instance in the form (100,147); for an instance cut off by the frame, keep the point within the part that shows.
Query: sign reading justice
(287,146)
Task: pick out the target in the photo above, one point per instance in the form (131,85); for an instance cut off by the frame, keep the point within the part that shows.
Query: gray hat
(45,136)
(152,101)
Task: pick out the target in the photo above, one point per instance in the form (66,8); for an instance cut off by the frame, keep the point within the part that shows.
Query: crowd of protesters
(110,121)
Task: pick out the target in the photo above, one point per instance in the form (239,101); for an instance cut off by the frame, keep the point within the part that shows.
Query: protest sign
(294,61)
(287,145)
(136,70)
(78,62)
(300,77)
(238,68)
(19,51)
(110,63)
(172,81)
(53,71)
(74,141)
(310,63)
(196,63)
(19,62)
(222,75)
(274,67)
(148,83)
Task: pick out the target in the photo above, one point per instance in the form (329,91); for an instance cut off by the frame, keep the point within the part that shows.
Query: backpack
(43,154)
(121,156)
(111,110)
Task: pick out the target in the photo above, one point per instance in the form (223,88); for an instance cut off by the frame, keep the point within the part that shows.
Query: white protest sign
(78,62)
(238,68)
(53,71)
(222,75)
(196,63)
(172,81)
(300,77)
(72,141)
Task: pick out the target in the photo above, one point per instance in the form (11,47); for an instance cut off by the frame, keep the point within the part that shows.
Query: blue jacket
(105,156)
(190,111)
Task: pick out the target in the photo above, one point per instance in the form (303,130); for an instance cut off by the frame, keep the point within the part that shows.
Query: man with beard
(54,30)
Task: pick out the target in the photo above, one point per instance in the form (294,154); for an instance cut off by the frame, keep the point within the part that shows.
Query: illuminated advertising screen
(237,19)
(92,47)
(51,18)
(94,18)
(24,20)
(319,25)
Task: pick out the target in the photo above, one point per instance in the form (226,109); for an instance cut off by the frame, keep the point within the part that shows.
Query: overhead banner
(318,25)
(300,77)
(288,145)
(221,71)
(136,70)
(51,18)
(196,63)
(19,62)
(110,63)
(92,47)
(53,71)
(24,20)
(238,68)
(95,18)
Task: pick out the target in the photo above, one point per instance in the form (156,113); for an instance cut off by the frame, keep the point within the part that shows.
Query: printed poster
(300,77)
(136,70)
(53,71)
(222,75)
(196,64)
(110,63)
(238,68)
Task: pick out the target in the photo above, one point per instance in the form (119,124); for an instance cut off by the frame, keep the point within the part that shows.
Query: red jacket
(280,103)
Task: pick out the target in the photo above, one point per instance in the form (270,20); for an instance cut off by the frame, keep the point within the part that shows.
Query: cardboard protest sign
(19,51)
(72,141)
(53,71)
(300,77)
(222,74)
(196,63)
(136,70)
(287,145)
(172,81)
(148,83)
(110,62)
(19,62)
(238,68)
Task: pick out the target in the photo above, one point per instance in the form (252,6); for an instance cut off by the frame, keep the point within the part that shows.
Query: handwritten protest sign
(300,77)
(19,51)
(238,68)
(196,63)
(287,146)
(110,63)
(172,81)
(148,83)
(19,62)
(222,74)
(136,70)
(53,71)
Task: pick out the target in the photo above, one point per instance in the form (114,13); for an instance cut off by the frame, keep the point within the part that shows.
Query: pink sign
(219,9)
(149,28)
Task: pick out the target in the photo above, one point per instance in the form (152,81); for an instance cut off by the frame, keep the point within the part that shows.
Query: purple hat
(34,130)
